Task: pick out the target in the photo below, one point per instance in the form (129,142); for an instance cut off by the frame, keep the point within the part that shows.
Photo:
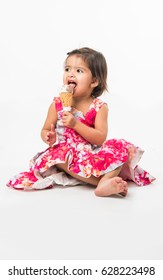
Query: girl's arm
(96,135)
(48,133)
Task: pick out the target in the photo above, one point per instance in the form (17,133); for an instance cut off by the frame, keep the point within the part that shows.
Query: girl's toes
(118,180)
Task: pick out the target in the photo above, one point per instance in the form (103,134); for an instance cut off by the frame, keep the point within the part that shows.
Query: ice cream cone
(66,95)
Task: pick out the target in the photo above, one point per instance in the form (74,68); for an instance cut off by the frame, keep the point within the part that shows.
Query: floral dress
(83,158)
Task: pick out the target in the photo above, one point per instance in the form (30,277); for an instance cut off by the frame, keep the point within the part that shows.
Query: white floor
(71,222)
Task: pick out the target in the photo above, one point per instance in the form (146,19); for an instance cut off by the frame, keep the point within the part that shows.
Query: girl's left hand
(68,119)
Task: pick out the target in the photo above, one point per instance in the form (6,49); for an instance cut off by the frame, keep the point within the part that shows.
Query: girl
(77,139)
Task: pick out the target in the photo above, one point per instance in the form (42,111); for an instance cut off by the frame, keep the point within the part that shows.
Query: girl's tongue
(72,85)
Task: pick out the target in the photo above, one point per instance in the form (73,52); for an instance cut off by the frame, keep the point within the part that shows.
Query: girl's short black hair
(97,64)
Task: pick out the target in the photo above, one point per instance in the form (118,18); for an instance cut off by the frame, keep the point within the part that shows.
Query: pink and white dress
(82,157)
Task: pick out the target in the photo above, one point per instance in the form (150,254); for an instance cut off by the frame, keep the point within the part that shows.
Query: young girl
(78,150)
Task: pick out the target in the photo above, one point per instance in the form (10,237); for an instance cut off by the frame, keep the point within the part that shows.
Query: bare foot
(111,186)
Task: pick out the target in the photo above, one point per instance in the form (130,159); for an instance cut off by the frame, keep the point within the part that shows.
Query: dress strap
(97,104)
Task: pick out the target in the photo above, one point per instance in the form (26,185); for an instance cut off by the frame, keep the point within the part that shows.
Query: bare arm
(96,135)
(48,133)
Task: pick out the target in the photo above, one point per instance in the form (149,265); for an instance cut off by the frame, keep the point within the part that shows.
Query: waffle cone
(66,98)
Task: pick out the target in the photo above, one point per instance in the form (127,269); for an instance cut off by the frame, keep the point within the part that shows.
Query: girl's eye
(79,71)
(67,69)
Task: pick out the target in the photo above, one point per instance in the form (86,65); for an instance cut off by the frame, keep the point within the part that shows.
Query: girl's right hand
(51,136)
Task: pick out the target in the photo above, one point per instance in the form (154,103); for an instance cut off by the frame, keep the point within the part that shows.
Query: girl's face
(79,75)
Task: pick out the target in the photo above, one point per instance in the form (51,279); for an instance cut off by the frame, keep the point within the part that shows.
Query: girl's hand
(51,136)
(68,119)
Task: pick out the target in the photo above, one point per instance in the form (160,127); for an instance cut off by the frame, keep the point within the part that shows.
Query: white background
(72,223)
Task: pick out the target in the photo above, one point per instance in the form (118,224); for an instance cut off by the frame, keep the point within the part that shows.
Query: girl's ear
(95,82)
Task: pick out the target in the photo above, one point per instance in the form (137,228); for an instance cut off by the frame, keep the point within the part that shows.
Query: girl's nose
(71,74)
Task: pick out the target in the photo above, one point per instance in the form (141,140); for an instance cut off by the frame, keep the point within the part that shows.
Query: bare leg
(107,184)
(91,180)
